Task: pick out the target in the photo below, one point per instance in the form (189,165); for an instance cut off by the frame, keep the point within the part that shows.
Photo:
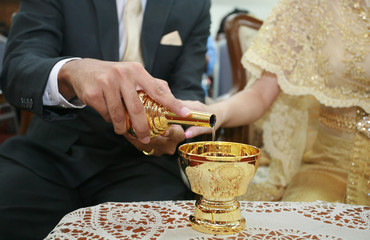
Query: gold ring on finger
(149,153)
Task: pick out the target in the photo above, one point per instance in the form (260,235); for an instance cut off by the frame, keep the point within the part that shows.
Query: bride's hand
(194,130)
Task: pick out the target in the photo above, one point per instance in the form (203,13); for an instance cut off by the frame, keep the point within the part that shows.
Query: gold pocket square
(172,38)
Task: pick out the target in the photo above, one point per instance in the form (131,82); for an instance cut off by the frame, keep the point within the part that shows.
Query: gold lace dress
(315,132)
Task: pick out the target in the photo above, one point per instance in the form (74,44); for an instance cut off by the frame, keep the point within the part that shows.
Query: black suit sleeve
(34,46)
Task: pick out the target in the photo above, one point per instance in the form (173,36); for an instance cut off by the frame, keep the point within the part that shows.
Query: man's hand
(111,89)
(163,144)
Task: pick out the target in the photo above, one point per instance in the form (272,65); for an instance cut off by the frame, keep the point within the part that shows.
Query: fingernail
(145,140)
(185,111)
(188,134)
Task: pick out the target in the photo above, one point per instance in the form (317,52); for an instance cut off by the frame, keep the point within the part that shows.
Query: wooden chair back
(240,29)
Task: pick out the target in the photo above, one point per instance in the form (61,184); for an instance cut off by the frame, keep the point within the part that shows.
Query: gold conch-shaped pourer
(160,118)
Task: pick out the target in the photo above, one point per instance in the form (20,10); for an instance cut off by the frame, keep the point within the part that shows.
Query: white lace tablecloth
(169,220)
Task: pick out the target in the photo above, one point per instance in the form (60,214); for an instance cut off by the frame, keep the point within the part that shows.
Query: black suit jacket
(76,143)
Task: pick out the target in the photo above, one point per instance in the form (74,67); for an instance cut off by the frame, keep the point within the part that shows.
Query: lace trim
(255,64)
(169,220)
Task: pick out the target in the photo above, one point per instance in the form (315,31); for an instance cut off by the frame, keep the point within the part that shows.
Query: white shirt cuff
(51,96)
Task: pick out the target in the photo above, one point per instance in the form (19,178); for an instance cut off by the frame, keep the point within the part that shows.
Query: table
(169,220)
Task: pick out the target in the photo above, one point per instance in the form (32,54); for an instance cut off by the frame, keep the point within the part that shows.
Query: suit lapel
(155,17)
(107,21)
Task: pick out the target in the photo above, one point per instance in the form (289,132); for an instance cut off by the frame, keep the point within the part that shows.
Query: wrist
(64,81)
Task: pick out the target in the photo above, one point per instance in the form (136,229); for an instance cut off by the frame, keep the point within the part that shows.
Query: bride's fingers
(196,131)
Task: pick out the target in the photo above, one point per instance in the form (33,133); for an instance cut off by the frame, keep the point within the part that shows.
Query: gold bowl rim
(209,158)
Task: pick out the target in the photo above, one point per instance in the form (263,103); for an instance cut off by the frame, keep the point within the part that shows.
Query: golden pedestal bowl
(218,172)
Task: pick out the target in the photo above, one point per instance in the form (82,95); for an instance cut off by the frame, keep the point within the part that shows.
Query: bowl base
(217,227)
(217,216)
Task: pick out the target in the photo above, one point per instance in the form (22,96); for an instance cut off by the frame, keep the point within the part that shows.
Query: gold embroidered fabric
(316,48)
